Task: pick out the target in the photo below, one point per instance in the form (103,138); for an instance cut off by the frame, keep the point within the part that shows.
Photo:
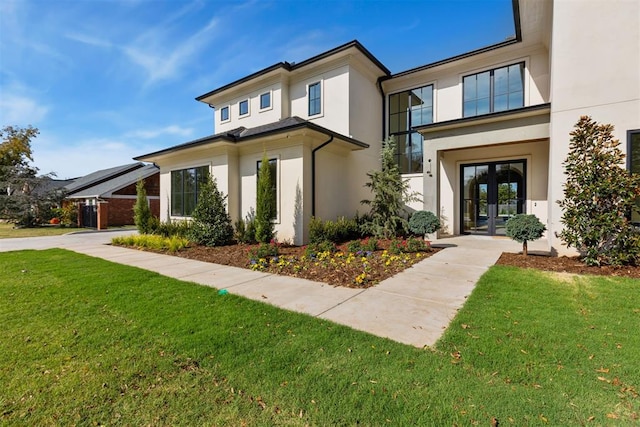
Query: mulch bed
(238,256)
(566,265)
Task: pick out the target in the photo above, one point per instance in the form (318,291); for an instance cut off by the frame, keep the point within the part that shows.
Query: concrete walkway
(413,307)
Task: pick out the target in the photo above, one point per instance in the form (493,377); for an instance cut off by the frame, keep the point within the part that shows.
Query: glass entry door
(491,193)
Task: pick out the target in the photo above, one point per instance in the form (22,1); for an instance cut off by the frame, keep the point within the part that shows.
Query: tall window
(315,98)
(273,173)
(185,187)
(633,160)
(406,111)
(495,90)
(265,100)
(243,107)
(224,114)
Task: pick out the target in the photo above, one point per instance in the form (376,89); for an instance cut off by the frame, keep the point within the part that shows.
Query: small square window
(265,100)
(243,107)
(224,114)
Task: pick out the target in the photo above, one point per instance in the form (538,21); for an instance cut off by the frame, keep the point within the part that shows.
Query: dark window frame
(492,88)
(633,137)
(407,133)
(262,95)
(244,102)
(273,163)
(224,111)
(315,102)
(178,201)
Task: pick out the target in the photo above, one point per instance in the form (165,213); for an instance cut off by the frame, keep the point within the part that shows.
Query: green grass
(8,232)
(89,342)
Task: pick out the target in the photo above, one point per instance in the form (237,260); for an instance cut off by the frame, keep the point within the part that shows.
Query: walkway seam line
(340,303)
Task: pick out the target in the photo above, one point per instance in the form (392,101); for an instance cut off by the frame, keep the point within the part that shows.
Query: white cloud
(155,133)
(21,110)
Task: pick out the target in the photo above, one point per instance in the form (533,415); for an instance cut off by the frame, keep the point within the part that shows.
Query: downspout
(313,174)
(384,107)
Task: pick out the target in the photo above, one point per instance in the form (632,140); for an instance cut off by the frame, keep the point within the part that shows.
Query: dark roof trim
(290,67)
(235,136)
(482,117)
(516,39)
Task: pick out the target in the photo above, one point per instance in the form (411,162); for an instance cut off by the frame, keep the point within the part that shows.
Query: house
(106,197)
(481,136)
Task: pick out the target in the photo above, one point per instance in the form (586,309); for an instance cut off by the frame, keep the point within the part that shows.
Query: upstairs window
(633,161)
(185,188)
(315,98)
(500,89)
(243,107)
(224,114)
(407,110)
(265,101)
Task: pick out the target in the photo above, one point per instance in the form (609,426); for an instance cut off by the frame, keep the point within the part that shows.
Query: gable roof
(105,188)
(292,66)
(97,177)
(243,134)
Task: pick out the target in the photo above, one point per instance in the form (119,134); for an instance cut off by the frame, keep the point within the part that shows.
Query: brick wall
(151,184)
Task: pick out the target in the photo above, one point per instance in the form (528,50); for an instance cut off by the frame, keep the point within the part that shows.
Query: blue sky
(105,81)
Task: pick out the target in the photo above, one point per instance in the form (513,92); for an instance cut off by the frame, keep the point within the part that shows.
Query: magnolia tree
(599,196)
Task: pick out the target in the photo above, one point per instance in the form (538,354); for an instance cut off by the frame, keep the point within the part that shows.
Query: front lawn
(90,342)
(7,231)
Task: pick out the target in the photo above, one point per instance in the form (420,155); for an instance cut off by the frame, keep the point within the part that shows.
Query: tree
(524,228)
(141,211)
(211,221)
(599,195)
(423,223)
(22,192)
(390,195)
(265,203)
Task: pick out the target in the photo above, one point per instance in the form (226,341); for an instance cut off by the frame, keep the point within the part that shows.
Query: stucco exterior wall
(334,80)
(594,73)
(256,116)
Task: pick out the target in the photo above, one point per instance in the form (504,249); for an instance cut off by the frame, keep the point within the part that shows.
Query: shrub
(599,195)
(366,245)
(315,248)
(390,195)
(211,224)
(524,228)
(264,250)
(338,231)
(141,210)
(149,241)
(423,223)
(416,245)
(178,228)
(67,214)
(265,206)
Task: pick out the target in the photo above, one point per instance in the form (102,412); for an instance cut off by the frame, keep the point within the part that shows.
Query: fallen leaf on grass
(603,370)
(603,379)
(612,416)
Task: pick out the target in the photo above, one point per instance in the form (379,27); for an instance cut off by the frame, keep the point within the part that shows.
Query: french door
(491,193)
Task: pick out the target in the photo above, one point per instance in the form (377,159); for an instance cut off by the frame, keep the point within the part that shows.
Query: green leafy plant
(264,250)
(599,195)
(315,248)
(211,224)
(524,228)
(388,217)
(141,211)
(265,206)
(341,230)
(423,223)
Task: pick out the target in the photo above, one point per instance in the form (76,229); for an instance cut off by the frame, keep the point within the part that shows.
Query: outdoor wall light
(429,171)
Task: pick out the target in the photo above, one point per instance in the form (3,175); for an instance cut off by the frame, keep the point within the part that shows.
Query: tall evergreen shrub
(391,193)
(141,211)
(265,204)
(599,195)
(211,224)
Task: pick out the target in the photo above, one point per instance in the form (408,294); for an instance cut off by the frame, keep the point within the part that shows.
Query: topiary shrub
(524,228)
(423,223)
(211,224)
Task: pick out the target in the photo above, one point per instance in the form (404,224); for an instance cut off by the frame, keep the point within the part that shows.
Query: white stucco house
(481,135)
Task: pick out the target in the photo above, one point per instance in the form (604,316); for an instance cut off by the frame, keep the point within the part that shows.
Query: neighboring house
(106,197)
(481,136)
